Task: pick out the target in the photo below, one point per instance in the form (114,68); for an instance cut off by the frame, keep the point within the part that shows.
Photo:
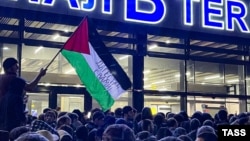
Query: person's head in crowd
(41,117)
(244,121)
(163,132)
(98,118)
(64,135)
(82,133)
(145,136)
(98,134)
(62,114)
(194,124)
(63,120)
(147,125)
(137,117)
(171,122)
(179,118)
(162,114)
(128,113)
(42,125)
(184,115)
(197,115)
(170,138)
(93,111)
(73,117)
(207,137)
(109,120)
(216,118)
(118,132)
(146,113)
(79,113)
(169,115)
(49,116)
(242,115)
(159,120)
(108,113)
(16,132)
(208,123)
(31,136)
(118,113)
(30,119)
(232,119)
(205,129)
(10,66)
(48,135)
(45,110)
(121,121)
(92,134)
(207,116)
(68,129)
(185,138)
(179,131)
(222,114)
(229,116)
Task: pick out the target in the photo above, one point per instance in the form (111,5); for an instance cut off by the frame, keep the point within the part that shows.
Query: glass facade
(180,72)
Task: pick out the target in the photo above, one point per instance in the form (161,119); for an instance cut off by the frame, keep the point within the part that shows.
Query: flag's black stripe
(107,57)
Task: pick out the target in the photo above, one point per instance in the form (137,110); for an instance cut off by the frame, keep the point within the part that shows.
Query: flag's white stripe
(103,74)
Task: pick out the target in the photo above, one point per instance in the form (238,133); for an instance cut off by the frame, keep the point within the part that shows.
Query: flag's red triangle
(78,41)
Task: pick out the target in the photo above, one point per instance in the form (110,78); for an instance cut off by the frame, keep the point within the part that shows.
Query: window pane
(70,102)
(162,104)
(162,74)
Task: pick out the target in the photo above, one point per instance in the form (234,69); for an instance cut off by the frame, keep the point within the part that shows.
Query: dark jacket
(11,107)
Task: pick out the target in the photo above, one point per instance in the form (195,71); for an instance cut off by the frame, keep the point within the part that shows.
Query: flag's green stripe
(88,78)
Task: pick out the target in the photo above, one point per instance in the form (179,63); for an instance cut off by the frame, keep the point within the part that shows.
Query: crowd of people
(124,124)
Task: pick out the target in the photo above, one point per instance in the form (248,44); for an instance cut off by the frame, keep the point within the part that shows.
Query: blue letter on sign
(189,12)
(152,16)
(74,4)
(48,2)
(34,1)
(236,12)
(107,6)
(210,12)
(88,5)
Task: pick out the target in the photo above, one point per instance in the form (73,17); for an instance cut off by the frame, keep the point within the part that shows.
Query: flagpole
(53,59)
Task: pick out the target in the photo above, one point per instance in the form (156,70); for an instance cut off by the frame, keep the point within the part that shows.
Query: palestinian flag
(102,76)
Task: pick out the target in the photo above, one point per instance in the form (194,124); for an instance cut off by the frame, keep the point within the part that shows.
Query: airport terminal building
(179,54)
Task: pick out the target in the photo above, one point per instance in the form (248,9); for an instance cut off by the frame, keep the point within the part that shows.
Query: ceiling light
(145,79)
(233,80)
(56,36)
(153,46)
(167,41)
(158,82)
(147,86)
(146,71)
(38,49)
(124,57)
(66,30)
(212,77)
(5,48)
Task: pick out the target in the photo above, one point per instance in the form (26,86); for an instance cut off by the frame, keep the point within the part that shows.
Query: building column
(20,43)
(53,99)
(242,84)
(138,67)
(87,102)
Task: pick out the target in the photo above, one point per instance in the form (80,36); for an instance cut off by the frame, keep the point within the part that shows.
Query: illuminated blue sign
(226,15)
